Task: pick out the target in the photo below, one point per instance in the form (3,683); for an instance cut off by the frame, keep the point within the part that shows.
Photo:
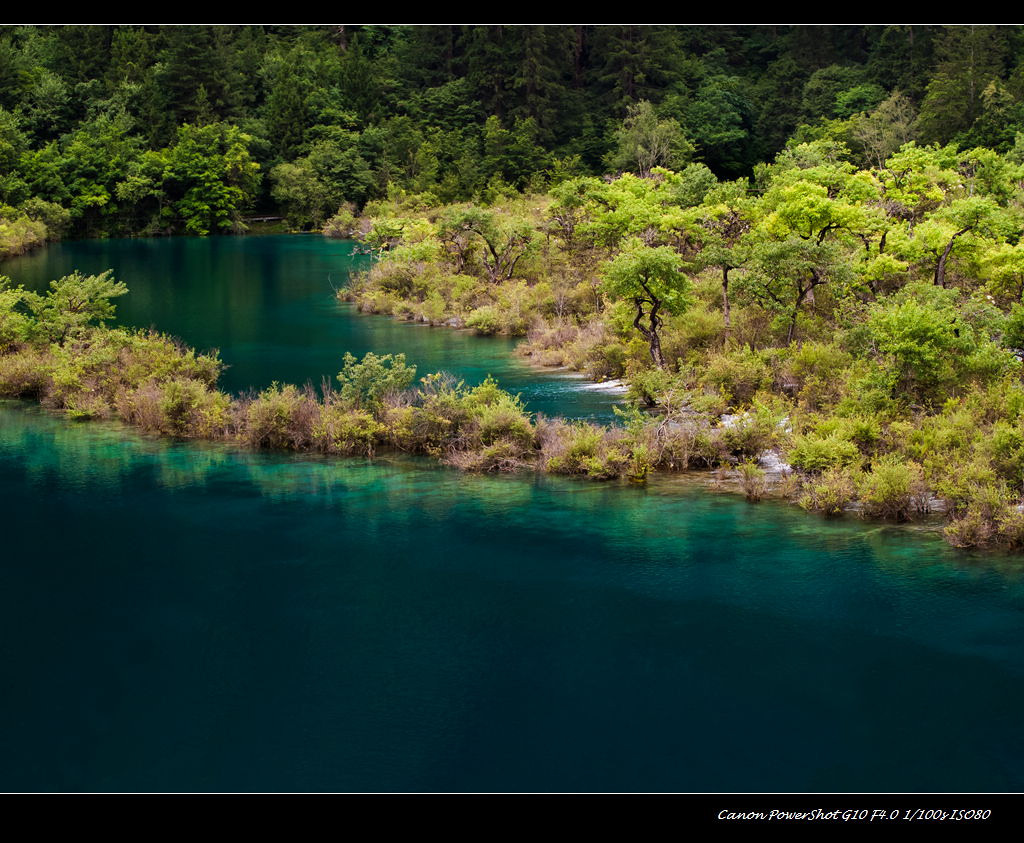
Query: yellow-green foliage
(439,417)
(280,417)
(1004,447)
(193,409)
(736,374)
(342,224)
(505,420)
(868,330)
(690,336)
(19,235)
(583,448)
(864,431)
(648,385)
(88,373)
(755,430)
(485,320)
(465,264)
(988,518)
(672,443)
(831,492)
(816,373)
(180,406)
(816,454)
(958,482)
(894,489)
(752,481)
(481,428)
(25,373)
(341,430)
(591,348)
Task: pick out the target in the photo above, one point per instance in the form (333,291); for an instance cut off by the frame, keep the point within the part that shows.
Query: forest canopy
(113,130)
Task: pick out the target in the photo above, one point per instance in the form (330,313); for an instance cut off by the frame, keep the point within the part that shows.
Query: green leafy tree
(916,180)
(825,87)
(365,383)
(82,170)
(211,176)
(719,226)
(505,240)
(632,63)
(968,59)
(885,129)
(13,145)
(512,156)
(720,120)
(957,229)
(652,279)
(920,343)
(74,302)
(338,164)
(16,325)
(785,274)
(644,141)
(305,199)
(288,111)
(1003,268)
(796,245)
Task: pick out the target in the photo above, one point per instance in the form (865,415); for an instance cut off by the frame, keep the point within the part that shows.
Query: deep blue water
(182,616)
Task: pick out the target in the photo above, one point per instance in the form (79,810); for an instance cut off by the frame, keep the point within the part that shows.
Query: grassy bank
(56,349)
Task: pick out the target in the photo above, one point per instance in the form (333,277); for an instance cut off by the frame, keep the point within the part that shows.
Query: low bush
(341,430)
(485,320)
(817,454)
(753,481)
(281,417)
(895,490)
(830,493)
(737,375)
(26,373)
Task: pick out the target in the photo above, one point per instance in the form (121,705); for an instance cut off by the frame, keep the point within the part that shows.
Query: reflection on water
(193,616)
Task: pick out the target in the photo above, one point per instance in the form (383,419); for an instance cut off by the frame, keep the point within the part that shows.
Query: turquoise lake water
(268,305)
(183,616)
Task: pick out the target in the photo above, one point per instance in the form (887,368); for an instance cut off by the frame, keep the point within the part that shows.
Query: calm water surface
(268,304)
(181,616)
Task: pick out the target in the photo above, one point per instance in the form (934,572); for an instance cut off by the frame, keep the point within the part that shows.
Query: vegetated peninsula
(847,314)
(863,326)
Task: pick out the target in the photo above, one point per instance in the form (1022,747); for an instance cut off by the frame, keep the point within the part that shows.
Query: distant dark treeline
(159,129)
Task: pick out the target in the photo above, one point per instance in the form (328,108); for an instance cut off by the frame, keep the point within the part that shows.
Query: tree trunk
(655,322)
(725,297)
(650,332)
(940,267)
(801,295)
(578,58)
(656,355)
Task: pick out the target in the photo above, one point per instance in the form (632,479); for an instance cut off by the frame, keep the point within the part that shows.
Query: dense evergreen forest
(114,130)
(800,246)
